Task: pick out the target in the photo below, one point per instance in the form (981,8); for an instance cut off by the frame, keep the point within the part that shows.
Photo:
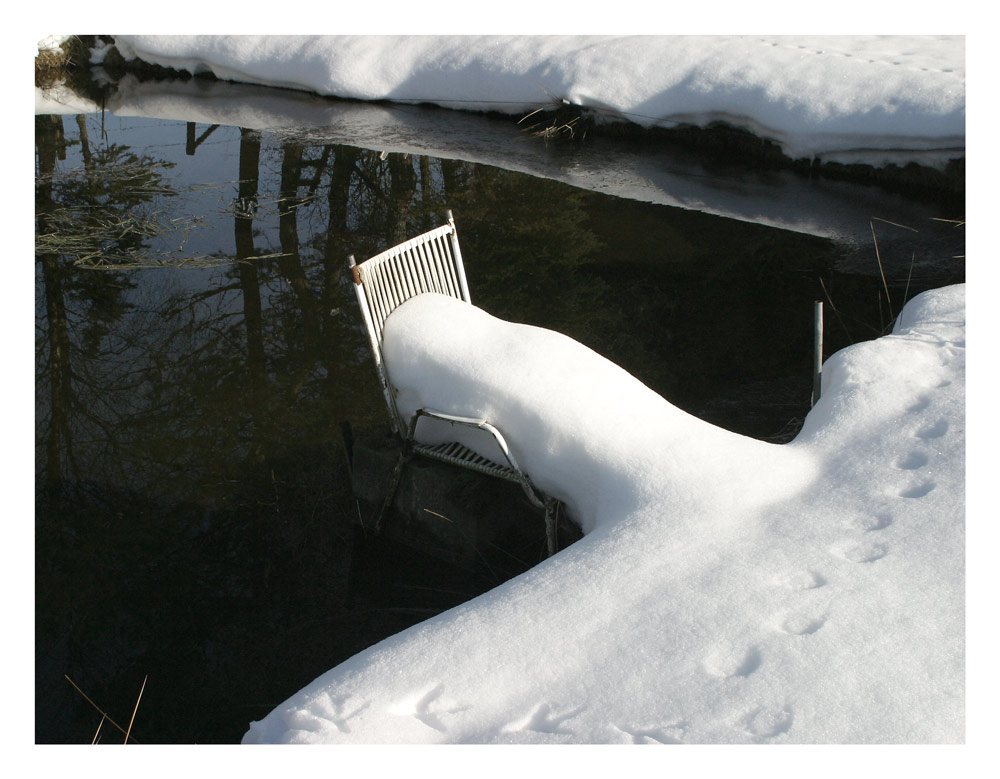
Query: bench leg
(390,495)
(551,524)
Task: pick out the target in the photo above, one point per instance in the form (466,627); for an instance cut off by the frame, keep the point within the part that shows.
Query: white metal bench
(432,262)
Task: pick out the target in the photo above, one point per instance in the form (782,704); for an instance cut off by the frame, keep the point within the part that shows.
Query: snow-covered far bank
(648,172)
(727,590)
(859,97)
(60,99)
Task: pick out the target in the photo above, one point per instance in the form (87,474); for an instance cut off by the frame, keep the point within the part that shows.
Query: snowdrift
(727,590)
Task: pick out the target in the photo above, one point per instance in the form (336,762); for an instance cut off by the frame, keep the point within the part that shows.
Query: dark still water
(198,348)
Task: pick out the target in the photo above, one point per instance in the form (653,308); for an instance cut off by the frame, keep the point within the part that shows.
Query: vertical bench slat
(440,265)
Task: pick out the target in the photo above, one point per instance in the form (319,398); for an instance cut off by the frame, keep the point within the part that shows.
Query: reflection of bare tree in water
(82,308)
(296,339)
(204,421)
(302,351)
(249,282)
(48,137)
(335,340)
(402,187)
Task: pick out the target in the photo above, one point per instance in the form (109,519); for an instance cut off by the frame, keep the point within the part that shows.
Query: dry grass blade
(956,222)
(881,269)
(103,713)
(896,224)
(136,708)
(97,733)
(528,116)
(909,276)
(835,310)
(562,120)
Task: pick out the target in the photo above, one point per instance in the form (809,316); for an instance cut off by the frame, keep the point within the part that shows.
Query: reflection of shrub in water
(99,214)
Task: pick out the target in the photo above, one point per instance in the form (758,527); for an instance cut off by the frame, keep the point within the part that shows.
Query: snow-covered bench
(432,262)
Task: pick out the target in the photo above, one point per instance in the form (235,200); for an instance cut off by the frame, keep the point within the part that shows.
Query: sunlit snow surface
(811,94)
(727,590)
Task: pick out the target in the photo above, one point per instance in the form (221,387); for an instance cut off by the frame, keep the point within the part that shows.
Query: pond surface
(198,348)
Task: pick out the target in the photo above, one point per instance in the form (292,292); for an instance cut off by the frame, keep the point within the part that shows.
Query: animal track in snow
(902,60)
(868,523)
(802,623)
(767,723)
(918,490)
(727,662)
(922,402)
(861,551)
(950,350)
(935,430)
(804,580)
(912,461)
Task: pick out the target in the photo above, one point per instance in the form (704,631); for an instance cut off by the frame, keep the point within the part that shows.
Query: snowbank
(727,590)
(812,94)
(52,42)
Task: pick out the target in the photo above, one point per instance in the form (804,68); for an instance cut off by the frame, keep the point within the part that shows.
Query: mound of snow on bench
(727,590)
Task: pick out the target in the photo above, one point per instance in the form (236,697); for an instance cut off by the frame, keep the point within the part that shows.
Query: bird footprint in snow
(336,711)
(545,720)
(327,709)
(668,734)
(428,709)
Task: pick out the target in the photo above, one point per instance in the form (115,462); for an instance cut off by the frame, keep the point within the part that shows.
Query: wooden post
(192,142)
(817,350)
